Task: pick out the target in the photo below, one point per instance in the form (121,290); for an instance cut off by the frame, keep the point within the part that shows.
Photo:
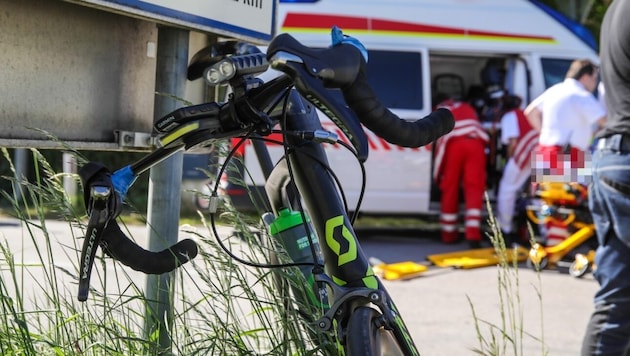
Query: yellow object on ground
(399,270)
(477,258)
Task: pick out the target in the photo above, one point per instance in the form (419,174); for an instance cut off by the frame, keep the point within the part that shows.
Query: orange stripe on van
(299,22)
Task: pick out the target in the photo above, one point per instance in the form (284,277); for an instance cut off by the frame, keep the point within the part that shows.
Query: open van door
(414,52)
(518,79)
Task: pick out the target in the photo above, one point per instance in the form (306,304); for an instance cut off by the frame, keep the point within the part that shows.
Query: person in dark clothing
(608,331)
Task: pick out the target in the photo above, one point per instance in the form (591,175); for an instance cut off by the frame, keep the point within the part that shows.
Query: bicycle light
(240,65)
(220,72)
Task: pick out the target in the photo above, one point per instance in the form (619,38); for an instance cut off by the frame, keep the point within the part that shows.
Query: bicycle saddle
(337,66)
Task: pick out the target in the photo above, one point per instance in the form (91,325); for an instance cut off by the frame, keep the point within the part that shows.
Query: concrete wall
(76,72)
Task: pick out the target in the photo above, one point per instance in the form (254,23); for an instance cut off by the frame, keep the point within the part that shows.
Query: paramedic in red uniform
(460,161)
(520,139)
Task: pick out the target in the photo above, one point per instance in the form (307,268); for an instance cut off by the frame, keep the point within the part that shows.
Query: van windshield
(554,70)
(396,78)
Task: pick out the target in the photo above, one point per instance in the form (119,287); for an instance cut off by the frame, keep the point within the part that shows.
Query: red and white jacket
(466,125)
(526,142)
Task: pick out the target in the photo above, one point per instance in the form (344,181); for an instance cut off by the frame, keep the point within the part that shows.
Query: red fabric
(461,162)
(466,125)
(526,142)
(552,157)
(557,231)
(464,167)
(460,109)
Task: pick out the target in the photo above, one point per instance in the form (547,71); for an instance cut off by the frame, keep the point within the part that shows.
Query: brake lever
(345,119)
(314,91)
(99,217)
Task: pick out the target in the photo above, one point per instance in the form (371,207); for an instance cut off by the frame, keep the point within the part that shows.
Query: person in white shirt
(520,139)
(565,114)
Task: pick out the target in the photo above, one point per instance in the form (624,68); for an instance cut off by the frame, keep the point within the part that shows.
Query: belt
(617,142)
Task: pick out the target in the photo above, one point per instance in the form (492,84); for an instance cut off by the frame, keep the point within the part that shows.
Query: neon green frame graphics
(348,256)
(334,245)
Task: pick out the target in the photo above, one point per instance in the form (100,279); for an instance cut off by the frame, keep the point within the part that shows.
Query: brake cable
(230,156)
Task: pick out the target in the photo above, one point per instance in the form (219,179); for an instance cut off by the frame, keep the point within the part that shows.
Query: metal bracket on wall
(131,139)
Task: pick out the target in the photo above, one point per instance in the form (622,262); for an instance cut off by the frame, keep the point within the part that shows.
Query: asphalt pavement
(444,307)
(448,311)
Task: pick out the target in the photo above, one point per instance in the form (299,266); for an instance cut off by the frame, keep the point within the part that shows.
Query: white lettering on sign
(243,19)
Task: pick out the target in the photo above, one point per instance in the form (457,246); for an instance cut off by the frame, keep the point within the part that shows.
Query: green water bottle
(289,228)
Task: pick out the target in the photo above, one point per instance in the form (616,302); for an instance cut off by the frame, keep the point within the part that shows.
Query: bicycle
(359,313)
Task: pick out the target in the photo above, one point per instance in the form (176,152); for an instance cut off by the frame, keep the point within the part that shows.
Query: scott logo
(332,225)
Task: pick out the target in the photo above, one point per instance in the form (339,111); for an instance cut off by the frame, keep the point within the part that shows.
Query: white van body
(420,47)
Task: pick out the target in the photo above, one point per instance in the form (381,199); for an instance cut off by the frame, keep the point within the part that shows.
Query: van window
(396,78)
(554,70)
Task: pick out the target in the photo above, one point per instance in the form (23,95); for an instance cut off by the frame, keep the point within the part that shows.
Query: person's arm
(594,109)
(534,116)
(597,126)
(511,146)
(509,132)
(601,121)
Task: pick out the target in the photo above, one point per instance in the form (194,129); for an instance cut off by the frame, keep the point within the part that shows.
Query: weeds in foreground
(218,306)
(508,336)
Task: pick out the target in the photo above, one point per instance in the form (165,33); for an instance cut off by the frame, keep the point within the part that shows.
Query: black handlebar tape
(376,117)
(118,246)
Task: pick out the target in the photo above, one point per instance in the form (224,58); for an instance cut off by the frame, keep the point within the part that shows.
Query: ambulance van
(472,49)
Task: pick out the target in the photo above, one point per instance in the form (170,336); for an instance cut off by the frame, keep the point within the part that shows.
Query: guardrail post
(165,185)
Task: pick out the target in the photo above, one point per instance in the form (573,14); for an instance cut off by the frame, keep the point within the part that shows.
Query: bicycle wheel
(366,335)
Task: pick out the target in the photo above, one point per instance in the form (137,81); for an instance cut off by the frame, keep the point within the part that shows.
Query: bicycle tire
(366,336)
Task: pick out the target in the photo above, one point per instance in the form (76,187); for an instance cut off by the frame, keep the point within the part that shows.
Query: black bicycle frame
(348,271)
(345,262)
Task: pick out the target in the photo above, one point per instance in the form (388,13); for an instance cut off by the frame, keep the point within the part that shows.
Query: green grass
(219,307)
(507,337)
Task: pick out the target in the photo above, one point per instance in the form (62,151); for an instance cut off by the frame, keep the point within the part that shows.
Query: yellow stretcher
(398,270)
(459,259)
(540,257)
(482,257)
(567,201)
